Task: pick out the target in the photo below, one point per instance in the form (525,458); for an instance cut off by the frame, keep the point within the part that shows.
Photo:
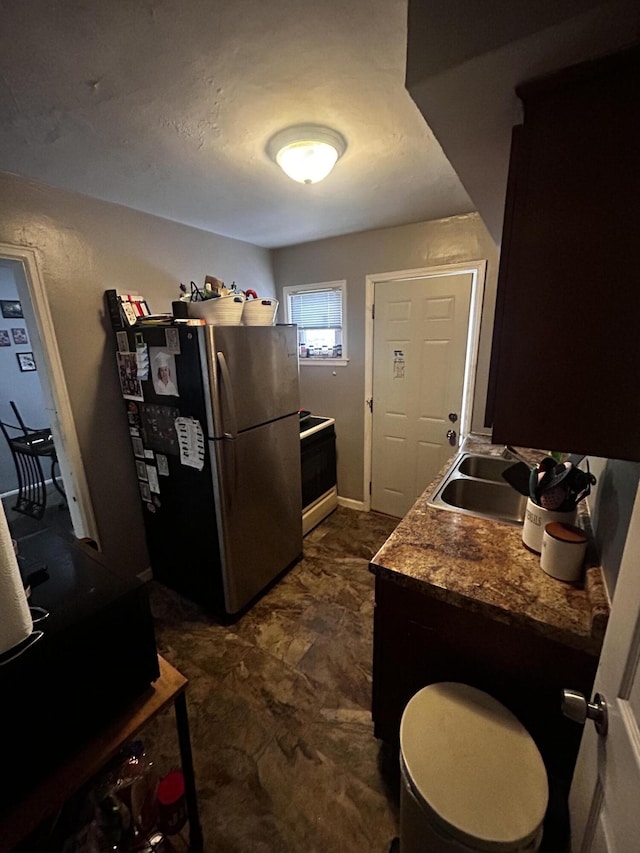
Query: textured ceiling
(166,106)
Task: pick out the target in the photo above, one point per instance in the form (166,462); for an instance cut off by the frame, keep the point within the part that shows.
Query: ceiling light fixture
(306,152)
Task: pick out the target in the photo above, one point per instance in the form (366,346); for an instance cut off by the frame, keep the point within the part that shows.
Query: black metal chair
(28,447)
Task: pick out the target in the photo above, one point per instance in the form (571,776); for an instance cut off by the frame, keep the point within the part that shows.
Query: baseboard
(14,492)
(349,503)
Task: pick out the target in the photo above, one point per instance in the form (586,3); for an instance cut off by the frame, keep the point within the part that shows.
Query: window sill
(324,362)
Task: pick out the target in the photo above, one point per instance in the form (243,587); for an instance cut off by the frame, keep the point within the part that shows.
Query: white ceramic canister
(563,550)
(535,520)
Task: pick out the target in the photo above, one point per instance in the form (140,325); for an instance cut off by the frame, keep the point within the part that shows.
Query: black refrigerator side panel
(180,518)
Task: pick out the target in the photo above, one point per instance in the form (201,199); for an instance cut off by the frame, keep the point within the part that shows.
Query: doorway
(53,399)
(422,337)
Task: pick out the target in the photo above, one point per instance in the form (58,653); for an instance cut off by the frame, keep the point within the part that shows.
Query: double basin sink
(474,485)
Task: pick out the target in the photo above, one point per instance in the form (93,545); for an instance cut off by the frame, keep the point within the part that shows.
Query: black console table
(51,794)
(85,688)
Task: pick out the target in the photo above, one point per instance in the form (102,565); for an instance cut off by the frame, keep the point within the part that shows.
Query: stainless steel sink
(473,485)
(484,467)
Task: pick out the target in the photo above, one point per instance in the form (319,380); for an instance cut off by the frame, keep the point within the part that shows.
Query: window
(318,311)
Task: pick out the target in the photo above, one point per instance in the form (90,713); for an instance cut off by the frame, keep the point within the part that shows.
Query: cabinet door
(566,357)
(515,193)
(419,640)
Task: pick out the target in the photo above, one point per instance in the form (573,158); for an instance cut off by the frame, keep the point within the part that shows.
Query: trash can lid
(473,765)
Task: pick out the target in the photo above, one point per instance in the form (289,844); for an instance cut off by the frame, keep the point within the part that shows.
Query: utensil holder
(536,519)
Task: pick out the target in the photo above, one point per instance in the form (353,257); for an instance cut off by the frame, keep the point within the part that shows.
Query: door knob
(451,435)
(576,708)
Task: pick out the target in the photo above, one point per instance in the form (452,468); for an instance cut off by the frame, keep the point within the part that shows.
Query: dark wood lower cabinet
(419,640)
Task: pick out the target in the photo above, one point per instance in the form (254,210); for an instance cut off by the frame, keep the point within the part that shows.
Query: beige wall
(454,240)
(84,247)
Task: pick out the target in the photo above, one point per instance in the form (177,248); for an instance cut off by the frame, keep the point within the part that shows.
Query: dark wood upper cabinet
(565,369)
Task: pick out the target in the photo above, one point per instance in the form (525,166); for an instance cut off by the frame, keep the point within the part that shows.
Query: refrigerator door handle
(228,448)
(227,390)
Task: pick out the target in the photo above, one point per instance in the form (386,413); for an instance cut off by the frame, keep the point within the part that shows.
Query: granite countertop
(482,565)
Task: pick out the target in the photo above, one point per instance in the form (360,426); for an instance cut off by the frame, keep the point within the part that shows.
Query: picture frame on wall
(26,361)
(20,337)
(4,338)
(11,309)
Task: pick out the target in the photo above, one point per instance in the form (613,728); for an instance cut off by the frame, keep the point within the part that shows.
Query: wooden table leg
(182,724)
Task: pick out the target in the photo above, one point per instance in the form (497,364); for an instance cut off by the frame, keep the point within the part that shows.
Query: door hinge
(369,486)
(373,311)
(370,404)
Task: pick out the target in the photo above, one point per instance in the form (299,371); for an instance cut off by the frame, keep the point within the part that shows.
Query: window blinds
(317,309)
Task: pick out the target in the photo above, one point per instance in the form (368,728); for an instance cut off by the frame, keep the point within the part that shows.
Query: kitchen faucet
(511,451)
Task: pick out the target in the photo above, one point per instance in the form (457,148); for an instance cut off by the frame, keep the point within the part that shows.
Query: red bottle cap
(171,788)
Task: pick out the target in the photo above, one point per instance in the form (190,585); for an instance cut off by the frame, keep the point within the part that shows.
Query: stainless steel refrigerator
(219,445)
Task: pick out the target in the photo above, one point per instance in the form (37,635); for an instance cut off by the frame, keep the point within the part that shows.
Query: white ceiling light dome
(306,152)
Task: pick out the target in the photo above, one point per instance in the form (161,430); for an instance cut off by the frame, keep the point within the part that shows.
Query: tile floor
(279,705)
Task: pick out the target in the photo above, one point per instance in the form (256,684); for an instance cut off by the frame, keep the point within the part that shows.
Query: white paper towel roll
(15,619)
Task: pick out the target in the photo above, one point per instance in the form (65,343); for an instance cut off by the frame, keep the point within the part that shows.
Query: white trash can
(472,779)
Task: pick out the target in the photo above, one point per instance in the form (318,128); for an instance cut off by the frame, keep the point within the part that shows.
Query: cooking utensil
(578,485)
(558,474)
(560,487)
(518,476)
(574,483)
(553,498)
(552,492)
(539,477)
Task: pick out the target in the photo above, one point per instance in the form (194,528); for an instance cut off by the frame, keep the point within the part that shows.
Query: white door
(419,349)
(605,795)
